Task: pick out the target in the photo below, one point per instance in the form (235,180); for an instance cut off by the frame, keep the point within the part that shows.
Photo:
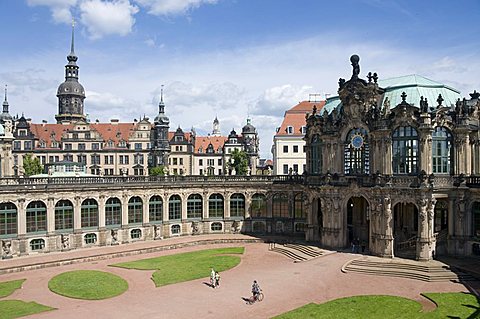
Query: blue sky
(226,58)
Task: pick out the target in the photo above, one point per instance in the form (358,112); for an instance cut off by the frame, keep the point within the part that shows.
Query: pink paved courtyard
(286,286)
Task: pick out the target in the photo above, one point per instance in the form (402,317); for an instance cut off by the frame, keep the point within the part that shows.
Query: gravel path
(286,286)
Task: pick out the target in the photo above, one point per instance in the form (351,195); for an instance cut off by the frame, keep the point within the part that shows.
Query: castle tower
(70,93)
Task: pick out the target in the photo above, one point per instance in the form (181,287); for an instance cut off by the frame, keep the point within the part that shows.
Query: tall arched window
(299,208)
(215,206)
(440,216)
(280,206)
(315,158)
(405,150)
(259,206)
(442,151)
(357,157)
(155,207)
(113,212)
(237,205)
(36,217)
(476,219)
(135,210)
(89,213)
(174,207)
(64,215)
(194,206)
(8,219)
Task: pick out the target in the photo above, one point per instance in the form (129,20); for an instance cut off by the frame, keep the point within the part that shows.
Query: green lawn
(17,308)
(187,266)
(88,284)
(450,305)
(8,287)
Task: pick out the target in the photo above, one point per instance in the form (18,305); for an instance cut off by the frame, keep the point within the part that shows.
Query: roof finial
(72,50)
(161,94)
(5,93)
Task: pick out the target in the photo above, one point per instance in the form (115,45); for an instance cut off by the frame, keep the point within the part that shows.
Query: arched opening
(64,215)
(405,230)
(113,212)
(440,228)
(258,208)
(358,224)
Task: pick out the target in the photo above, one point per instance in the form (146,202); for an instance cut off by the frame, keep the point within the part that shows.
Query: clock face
(357,141)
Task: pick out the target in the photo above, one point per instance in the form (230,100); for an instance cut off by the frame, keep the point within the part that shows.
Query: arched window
(89,213)
(175,229)
(174,208)
(442,151)
(90,238)
(405,150)
(357,157)
(237,205)
(215,206)
(136,233)
(37,244)
(299,209)
(113,212)
(64,215)
(441,216)
(155,208)
(259,206)
(135,210)
(216,227)
(194,206)
(315,158)
(8,219)
(280,206)
(36,217)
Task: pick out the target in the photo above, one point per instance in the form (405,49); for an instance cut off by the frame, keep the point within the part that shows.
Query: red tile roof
(204,141)
(295,117)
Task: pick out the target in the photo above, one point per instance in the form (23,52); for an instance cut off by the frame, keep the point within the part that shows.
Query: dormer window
(122,144)
(179,138)
(304,129)
(55,144)
(42,144)
(200,150)
(210,149)
(110,144)
(289,129)
(233,140)
(22,132)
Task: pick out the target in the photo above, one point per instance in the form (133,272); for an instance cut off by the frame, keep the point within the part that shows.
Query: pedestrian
(212,278)
(217,279)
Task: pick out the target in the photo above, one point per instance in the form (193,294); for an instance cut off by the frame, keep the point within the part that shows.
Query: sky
(230,59)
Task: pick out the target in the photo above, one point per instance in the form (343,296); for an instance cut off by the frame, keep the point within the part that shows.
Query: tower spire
(5,103)
(72,48)
(161,105)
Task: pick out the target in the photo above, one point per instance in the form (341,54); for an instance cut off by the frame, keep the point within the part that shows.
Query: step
(307,250)
(289,254)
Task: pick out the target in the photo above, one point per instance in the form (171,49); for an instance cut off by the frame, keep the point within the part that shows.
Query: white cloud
(61,9)
(103,18)
(172,7)
(278,99)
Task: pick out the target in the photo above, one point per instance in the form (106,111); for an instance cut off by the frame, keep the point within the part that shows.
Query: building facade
(288,147)
(395,167)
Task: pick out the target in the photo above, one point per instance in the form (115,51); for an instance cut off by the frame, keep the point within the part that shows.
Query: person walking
(212,278)
(217,279)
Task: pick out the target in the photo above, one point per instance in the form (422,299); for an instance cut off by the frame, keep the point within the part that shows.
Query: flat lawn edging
(8,287)
(450,305)
(187,266)
(17,308)
(88,284)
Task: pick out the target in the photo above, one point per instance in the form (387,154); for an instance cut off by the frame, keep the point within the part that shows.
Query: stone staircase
(431,271)
(297,252)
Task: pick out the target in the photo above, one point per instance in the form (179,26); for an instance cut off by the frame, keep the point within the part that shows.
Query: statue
(356,67)
(195,228)
(8,128)
(157,232)
(114,234)
(65,241)
(386,107)
(6,249)
(235,227)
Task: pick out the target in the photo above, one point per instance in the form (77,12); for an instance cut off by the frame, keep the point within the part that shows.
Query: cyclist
(255,290)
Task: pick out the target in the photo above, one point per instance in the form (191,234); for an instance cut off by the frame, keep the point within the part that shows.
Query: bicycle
(258,297)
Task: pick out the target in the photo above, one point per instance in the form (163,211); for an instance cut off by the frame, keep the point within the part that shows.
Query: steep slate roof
(295,117)
(204,141)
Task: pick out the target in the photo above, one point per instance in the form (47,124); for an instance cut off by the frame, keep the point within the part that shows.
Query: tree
(31,165)
(158,171)
(239,161)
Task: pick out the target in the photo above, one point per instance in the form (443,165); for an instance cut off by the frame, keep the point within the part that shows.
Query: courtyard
(286,285)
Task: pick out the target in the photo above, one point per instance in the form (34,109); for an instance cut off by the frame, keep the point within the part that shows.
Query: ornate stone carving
(6,249)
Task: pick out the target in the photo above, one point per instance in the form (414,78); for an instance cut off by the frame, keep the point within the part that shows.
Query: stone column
(22,217)
(184,197)
(165,207)
(423,240)
(77,214)
(226,205)
(205,205)
(248,201)
(124,210)
(101,212)
(145,208)
(50,215)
